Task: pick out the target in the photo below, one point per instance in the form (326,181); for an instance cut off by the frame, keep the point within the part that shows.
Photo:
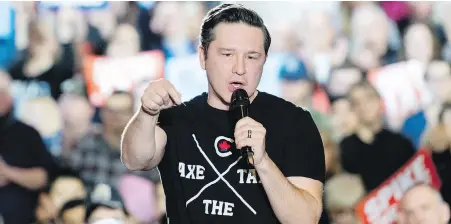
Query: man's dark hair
(230,13)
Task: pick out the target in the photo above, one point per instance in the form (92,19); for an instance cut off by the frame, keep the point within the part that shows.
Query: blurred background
(74,72)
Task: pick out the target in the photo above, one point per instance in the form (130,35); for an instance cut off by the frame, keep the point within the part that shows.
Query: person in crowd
(420,44)
(140,198)
(343,118)
(341,79)
(322,46)
(65,186)
(299,88)
(125,42)
(438,141)
(46,119)
(168,20)
(43,68)
(342,193)
(77,114)
(370,38)
(105,203)
(438,78)
(372,151)
(97,154)
(423,204)
(72,212)
(25,163)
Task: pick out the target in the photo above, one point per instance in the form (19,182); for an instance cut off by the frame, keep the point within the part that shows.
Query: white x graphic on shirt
(220,177)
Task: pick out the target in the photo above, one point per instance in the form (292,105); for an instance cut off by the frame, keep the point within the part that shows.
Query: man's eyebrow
(254,52)
(226,49)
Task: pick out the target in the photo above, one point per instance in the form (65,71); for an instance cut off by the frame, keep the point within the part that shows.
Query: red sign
(104,75)
(380,205)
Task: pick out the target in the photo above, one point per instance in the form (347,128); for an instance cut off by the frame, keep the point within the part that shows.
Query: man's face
(344,119)
(366,104)
(371,32)
(103,213)
(5,98)
(117,111)
(76,111)
(422,206)
(319,31)
(235,59)
(125,42)
(439,80)
(418,43)
(341,81)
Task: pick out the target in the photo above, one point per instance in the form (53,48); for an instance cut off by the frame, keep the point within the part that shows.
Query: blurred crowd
(376,77)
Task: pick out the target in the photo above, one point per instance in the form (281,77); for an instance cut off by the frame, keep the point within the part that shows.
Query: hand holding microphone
(250,135)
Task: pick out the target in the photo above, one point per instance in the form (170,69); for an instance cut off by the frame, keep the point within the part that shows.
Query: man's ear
(202,56)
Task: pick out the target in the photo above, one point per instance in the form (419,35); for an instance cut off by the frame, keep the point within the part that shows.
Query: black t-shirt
(204,179)
(21,146)
(377,161)
(48,83)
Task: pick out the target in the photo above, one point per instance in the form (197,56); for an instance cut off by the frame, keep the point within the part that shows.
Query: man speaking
(196,145)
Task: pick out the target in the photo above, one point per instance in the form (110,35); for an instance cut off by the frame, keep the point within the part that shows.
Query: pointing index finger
(174,95)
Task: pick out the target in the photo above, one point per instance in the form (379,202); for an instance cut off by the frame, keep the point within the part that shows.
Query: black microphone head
(239,98)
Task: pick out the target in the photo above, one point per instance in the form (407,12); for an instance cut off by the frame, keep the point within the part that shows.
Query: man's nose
(240,65)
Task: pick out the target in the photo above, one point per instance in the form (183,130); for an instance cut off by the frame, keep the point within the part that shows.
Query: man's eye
(227,54)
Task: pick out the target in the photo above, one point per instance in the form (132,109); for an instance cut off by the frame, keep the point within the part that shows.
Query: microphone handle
(246,151)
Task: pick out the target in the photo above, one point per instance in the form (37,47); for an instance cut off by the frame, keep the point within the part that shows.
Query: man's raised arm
(143,142)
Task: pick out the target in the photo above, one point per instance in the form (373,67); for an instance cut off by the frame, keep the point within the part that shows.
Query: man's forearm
(138,141)
(289,203)
(30,178)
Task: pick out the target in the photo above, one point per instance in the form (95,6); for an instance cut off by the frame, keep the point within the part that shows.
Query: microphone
(239,104)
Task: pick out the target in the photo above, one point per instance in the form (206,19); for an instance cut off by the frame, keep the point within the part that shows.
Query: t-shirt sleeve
(166,119)
(304,152)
